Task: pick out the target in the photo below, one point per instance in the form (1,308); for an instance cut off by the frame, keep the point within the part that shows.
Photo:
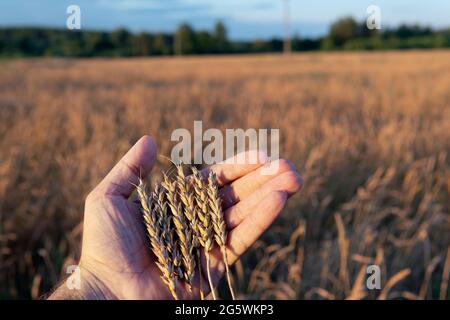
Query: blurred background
(146,27)
(364,114)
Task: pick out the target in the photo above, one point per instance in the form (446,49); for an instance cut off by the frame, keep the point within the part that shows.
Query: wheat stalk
(184,232)
(218,222)
(205,226)
(157,223)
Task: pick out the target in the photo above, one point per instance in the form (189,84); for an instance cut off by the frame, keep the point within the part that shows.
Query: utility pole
(287,36)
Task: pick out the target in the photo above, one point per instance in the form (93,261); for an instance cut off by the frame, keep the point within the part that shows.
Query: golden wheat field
(369,132)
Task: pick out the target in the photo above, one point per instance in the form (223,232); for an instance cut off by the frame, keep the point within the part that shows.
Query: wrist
(92,288)
(82,284)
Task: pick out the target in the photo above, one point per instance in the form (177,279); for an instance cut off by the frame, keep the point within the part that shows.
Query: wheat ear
(182,229)
(205,226)
(155,218)
(187,198)
(218,222)
(167,225)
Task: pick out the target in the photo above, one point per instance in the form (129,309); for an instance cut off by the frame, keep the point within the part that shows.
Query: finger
(289,182)
(253,226)
(138,161)
(237,166)
(246,185)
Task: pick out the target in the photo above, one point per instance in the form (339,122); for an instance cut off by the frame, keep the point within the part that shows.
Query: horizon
(254,19)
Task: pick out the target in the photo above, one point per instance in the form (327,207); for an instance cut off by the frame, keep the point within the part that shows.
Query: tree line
(344,34)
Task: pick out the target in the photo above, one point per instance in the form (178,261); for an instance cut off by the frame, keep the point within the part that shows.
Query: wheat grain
(160,199)
(218,222)
(205,226)
(181,216)
(187,198)
(159,233)
(182,229)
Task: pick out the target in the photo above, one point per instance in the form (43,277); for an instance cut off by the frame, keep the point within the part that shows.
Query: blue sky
(245,19)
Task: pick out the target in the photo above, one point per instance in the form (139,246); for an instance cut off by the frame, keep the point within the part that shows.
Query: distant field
(370,133)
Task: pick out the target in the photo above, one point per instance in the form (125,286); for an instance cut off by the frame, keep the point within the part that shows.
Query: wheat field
(369,132)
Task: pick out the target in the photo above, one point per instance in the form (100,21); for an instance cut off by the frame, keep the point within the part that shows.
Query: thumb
(137,162)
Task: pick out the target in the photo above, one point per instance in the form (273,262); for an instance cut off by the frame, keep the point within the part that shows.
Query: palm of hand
(116,247)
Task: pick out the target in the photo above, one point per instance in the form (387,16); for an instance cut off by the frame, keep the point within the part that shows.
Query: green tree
(98,43)
(342,30)
(160,45)
(184,40)
(121,40)
(220,37)
(141,44)
(407,31)
(204,42)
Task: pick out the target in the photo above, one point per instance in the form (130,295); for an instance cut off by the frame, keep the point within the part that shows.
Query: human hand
(116,262)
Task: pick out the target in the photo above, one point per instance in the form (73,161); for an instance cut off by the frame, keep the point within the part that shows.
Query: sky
(245,19)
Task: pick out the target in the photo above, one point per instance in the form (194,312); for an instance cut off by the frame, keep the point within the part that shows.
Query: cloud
(264,5)
(160,6)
